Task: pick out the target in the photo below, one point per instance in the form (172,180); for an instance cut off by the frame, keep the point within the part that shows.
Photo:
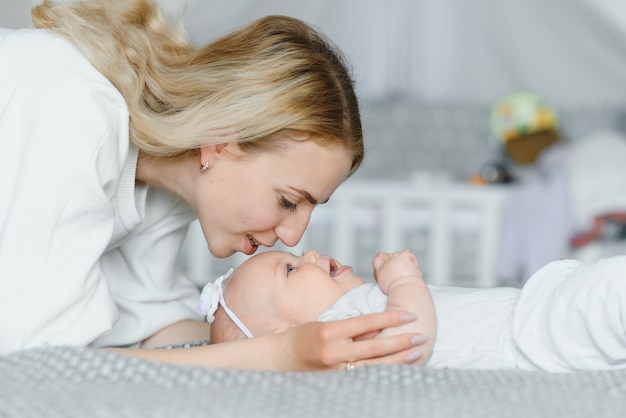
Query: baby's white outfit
(569,316)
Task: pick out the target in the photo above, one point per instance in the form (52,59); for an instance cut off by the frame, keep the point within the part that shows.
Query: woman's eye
(287,204)
(290,268)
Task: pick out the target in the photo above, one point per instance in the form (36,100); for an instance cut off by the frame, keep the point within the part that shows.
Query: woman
(117,133)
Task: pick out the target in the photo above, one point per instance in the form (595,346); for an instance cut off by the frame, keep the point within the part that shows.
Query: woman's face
(253,199)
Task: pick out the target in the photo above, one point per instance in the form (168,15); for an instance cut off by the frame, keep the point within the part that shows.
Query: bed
(82,382)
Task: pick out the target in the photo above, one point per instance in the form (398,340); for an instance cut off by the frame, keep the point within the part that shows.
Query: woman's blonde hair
(276,78)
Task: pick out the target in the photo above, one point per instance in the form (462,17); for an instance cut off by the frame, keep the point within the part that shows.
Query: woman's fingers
(367,336)
(410,356)
(402,348)
(332,345)
(373,322)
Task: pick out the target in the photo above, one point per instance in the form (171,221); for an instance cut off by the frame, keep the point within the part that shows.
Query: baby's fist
(390,267)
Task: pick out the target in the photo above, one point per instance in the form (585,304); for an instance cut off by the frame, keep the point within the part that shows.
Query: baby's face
(279,290)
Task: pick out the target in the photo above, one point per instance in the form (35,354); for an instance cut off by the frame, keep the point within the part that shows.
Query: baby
(275,290)
(569,316)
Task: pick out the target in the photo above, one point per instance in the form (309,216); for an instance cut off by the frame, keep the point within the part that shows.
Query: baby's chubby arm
(399,276)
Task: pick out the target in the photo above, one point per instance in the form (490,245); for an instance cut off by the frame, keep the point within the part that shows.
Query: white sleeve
(146,281)
(572,316)
(64,138)
(56,227)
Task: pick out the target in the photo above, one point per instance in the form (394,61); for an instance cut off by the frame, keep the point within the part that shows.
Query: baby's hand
(390,267)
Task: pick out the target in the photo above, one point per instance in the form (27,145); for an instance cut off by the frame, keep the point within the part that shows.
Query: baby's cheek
(312,304)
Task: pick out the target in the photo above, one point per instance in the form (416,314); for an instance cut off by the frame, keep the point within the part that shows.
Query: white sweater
(83,251)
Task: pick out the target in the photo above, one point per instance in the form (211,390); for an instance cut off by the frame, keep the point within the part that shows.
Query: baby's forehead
(261,268)
(254,270)
(266,260)
(251,285)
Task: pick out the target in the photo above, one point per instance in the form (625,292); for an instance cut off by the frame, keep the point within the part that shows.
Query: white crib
(452,228)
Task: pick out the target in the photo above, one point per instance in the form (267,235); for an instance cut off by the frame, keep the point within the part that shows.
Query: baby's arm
(399,277)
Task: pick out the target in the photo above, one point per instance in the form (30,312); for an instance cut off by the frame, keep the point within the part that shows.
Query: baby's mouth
(333,267)
(336,269)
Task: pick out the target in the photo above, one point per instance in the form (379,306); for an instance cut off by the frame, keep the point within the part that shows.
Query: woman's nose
(291,229)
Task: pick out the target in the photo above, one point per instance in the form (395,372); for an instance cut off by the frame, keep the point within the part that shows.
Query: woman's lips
(250,246)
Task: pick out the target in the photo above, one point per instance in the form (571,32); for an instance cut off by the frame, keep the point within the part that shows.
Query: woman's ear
(210,153)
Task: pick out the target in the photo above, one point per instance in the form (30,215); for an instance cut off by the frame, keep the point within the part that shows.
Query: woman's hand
(312,346)
(333,345)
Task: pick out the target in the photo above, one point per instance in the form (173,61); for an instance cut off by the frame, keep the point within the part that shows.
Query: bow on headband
(212,296)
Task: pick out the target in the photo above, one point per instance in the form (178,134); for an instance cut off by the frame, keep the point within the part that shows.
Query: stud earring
(204,167)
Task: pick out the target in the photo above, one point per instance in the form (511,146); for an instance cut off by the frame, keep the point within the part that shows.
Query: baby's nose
(311,255)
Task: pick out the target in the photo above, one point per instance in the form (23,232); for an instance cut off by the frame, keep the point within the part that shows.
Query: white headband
(212,296)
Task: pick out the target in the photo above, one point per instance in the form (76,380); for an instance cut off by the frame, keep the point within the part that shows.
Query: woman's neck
(177,175)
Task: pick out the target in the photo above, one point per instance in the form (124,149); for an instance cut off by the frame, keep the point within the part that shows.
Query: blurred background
(443,50)
(448,61)
(428,74)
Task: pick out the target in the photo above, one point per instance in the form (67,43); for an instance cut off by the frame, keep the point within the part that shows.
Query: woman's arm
(399,276)
(312,346)
(179,332)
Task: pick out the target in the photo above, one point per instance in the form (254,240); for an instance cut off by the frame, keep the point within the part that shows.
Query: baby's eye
(290,268)
(287,204)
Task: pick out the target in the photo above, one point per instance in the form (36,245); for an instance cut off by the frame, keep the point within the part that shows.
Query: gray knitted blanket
(81,382)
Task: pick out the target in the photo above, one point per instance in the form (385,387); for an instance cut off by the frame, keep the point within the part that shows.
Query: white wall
(15,13)
(572,51)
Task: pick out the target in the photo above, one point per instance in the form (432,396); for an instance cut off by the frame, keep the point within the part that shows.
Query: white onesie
(569,316)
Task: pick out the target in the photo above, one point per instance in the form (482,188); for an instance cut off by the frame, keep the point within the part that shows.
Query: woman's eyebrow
(306,195)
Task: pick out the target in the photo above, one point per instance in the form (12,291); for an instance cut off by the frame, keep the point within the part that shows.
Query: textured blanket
(80,382)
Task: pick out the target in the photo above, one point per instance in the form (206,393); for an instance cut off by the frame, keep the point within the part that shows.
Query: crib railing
(453,229)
